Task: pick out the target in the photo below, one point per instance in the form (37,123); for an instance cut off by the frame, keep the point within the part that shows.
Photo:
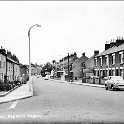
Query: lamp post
(36,25)
(68,69)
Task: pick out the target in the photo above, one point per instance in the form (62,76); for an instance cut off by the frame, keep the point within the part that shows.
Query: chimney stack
(83,54)
(96,52)
(107,45)
(119,41)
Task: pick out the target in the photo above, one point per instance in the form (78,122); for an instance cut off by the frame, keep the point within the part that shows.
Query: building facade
(2,64)
(111,61)
(89,65)
(65,64)
(9,66)
(77,66)
(13,69)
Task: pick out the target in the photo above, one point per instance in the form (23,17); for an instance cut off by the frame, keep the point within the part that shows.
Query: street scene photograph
(62,62)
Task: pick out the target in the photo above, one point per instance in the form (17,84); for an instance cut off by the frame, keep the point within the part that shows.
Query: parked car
(47,77)
(114,82)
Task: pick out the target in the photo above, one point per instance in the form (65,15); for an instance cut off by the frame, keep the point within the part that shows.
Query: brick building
(67,61)
(2,64)
(77,66)
(111,60)
(89,65)
(9,65)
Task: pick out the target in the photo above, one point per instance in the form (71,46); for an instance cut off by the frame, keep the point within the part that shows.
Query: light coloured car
(114,83)
(47,77)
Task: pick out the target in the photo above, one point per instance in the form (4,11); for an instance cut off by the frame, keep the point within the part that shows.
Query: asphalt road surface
(54,101)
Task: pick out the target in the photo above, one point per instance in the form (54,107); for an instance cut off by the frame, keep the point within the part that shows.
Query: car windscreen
(117,78)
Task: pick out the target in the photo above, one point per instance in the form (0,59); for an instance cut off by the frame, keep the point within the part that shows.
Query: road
(64,102)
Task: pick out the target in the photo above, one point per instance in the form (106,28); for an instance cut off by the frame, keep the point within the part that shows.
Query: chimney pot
(96,52)
(83,54)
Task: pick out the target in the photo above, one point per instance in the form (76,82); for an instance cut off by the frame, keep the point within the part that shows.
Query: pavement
(3,93)
(79,82)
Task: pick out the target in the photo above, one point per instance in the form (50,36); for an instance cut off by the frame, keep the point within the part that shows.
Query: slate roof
(112,50)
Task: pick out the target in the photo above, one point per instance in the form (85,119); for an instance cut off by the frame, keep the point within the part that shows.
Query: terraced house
(110,62)
(2,64)
(68,61)
(9,66)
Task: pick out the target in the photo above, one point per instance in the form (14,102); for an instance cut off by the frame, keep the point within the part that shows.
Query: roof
(81,59)
(112,50)
(92,57)
(12,60)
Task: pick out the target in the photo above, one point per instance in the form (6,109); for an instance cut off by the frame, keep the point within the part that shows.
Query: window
(4,64)
(98,73)
(117,72)
(95,73)
(95,61)
(104,73)
(83,64)
(107,59)
(121,72)
(1,76)
(101,61)
(120,57)
(110,73)
(113,59)
(0,64)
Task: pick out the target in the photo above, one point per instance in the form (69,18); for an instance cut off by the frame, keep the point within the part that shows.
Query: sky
(66,27)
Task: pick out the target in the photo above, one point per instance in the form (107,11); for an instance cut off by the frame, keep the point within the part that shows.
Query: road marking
(13,105)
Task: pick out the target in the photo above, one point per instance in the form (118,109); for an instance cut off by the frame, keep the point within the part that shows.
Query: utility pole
(68,69)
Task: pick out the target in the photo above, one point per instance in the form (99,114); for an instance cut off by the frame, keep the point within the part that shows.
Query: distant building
(23,69)
(78,65)
(67,62)
(35,69)
(89,65)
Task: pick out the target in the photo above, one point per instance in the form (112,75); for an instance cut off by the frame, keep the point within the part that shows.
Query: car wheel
(113,88)
(106,87)
(109,88)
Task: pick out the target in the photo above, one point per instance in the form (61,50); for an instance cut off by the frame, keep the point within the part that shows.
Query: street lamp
(68,69)
(36,25)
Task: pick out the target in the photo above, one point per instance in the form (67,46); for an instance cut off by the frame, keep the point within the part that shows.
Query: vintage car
(114,83)
(47,77)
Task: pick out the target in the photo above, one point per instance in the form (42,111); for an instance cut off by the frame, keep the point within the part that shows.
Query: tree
(46,68)
(54,61)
